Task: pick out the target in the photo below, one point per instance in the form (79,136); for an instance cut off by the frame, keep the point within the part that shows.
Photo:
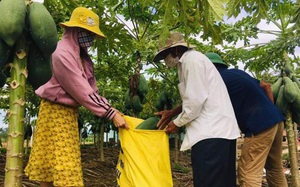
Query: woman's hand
(119,121)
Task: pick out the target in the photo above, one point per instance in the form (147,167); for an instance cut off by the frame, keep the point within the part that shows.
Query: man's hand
(119,121)
(166,116)
(172,128)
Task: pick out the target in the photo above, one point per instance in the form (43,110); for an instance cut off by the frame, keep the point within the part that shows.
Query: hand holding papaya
(119,121)
(172,128)
(166,116)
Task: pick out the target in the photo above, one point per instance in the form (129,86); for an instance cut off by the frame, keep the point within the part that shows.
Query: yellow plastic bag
(144,159)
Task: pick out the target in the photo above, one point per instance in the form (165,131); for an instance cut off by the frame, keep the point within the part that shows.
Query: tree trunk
(95,143)
(292,150)
(15,139)
(27,138)
(107,139)
(80,136)
(176,148)
(114,137)
(101,142)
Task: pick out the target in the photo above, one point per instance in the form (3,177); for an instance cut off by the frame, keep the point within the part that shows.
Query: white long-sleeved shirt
(207,111)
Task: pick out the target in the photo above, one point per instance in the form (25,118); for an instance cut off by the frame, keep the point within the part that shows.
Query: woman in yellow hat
(55,155)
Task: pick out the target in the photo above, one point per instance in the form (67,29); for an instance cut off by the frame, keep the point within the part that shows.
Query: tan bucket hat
(84,18)
(175,39)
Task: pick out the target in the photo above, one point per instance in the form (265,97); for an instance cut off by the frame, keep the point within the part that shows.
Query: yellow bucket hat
(86,19)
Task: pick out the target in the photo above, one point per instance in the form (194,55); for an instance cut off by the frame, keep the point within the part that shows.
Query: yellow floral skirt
(55,154)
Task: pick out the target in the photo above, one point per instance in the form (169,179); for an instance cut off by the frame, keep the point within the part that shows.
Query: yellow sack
(144,159)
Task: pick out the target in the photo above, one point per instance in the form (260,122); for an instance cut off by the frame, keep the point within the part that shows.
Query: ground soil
(103,173)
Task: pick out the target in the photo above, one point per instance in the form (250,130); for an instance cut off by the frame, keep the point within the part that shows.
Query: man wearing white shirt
(206,112)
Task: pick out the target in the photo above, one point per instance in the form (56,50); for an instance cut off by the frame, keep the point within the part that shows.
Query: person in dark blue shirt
(260,121)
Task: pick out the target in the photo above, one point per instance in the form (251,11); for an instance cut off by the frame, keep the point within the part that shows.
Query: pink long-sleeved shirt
(73,82)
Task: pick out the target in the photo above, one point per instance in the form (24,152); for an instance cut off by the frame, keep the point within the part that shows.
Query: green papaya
(163,98)
(290,90)
(169,100)
(4,53)
(142,89)
(275,87)
(288,69)
(2,78)
(42,28)
(296,110)
(136,104)
(281,101)
(159,105)
(12,20)
(296,80)
(128,100)
(39,67)
(161,102)
(149,124)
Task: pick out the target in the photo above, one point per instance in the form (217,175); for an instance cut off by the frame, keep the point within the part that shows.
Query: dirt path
(103,174)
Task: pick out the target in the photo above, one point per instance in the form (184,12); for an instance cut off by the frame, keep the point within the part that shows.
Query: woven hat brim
(162,53)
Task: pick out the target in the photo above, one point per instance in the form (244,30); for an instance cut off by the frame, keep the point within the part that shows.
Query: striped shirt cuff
(110,113)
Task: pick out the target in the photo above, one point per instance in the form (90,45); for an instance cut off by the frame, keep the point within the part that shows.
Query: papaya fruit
(296,110)
(169,100)
(290,90)
(4,53)
(275,87)
(136,104)
(159,105)
(296,87)
(281,101)
(296,80)
(165,101)
(142,89)
(163,98)
(161,102)
(39,67)
(12,20)
(128,100)
(42,28)
(149,124)
(288,69)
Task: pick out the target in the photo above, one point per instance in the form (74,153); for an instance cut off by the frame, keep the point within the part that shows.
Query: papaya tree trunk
(114,139)
(28,137)
(15,139)
(176,148)
(27,146)
(101,142)
(292,150)
(95,143)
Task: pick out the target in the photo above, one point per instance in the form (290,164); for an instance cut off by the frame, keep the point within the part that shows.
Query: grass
(180,168)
